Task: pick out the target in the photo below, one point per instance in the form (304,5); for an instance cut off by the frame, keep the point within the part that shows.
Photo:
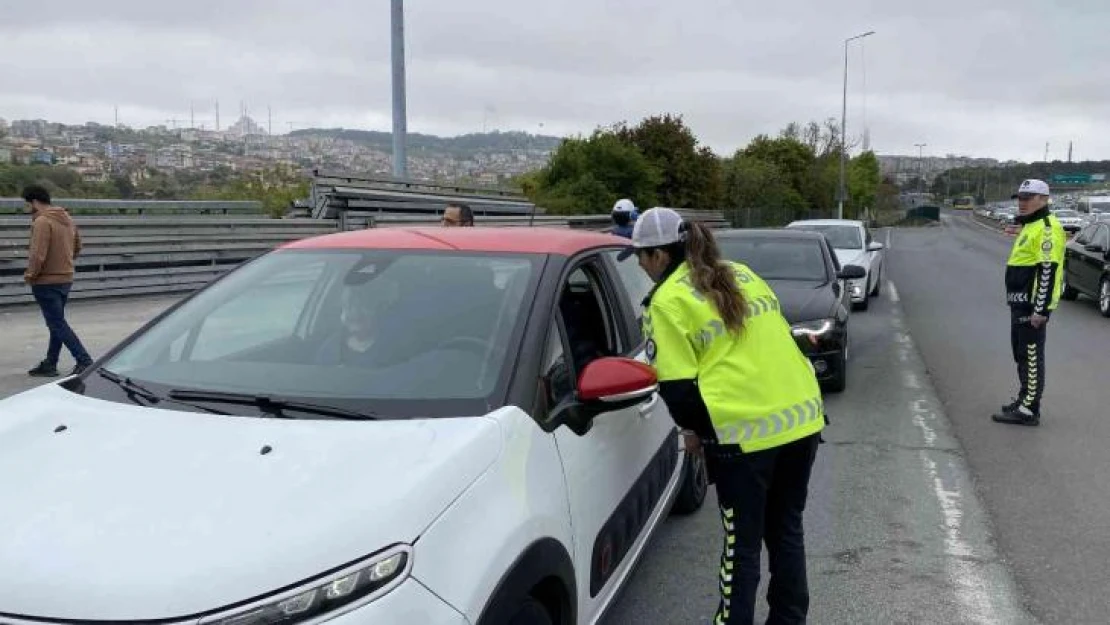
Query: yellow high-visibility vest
(760,389)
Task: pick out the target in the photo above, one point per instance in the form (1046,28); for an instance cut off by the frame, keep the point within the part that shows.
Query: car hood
(804,301)
(136,513)
(852,257)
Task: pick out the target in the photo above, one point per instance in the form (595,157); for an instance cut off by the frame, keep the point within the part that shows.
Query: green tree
(691,174)
(759,193)
(862,179)
(588,174)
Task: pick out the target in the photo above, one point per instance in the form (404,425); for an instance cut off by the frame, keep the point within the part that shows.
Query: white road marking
(894,297)
(972,589)
(888,231)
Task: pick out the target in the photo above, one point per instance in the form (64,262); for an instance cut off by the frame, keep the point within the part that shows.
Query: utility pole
(920,171)
(400,129)
(842,191)
(1069,151)
(217,115)
(192,117)
(1046,152)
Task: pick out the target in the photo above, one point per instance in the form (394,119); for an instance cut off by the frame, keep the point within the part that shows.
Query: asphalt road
(896,532)
(1047,489)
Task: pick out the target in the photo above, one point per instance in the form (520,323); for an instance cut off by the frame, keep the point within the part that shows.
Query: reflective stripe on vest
(771,425)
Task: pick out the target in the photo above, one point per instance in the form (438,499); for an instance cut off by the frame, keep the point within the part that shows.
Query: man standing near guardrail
(458,215)
(55,243)
(1034,275)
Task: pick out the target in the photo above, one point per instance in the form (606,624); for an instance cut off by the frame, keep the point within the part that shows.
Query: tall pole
(920,171)
(841,190)
(399,115)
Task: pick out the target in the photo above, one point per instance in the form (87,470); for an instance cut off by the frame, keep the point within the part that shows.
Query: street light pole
(920,171)
(400,125)
(841,191)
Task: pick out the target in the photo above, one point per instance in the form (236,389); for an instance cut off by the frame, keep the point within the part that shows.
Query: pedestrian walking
(1034,281)
(55,244)
(744,394)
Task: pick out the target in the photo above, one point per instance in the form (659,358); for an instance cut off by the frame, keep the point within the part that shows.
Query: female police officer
(736,382)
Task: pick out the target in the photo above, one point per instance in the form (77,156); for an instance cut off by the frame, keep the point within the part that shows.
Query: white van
(1093,204)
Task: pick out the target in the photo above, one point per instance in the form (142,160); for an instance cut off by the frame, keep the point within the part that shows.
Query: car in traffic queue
(853,244)
(1087,266)
(811,286)
(1070,220)
(387,426)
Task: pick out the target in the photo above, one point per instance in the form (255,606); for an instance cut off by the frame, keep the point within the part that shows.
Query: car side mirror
(852,272)
(875,246)
(606,385)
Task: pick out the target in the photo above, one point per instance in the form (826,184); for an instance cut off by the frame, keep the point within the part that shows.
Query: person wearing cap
(744,394)
(623,216)
(1034,281)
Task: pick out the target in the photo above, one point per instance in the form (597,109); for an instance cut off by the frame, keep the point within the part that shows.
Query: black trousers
(52,299)
(1027,343)
(762,496)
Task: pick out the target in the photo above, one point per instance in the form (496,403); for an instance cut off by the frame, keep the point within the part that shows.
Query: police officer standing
(736,382)
(1034,276)
(623,216)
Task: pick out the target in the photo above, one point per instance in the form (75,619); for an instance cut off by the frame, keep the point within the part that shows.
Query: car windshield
(777,258)
(1100,207)
(370,329)
(840,237)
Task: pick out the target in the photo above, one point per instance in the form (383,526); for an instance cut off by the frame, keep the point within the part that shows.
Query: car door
(1094,259)
(619,464)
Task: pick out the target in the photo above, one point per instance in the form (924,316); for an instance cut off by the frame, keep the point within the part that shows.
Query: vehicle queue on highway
(508,375)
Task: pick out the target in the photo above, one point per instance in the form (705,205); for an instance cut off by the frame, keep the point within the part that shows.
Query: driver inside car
(363,306)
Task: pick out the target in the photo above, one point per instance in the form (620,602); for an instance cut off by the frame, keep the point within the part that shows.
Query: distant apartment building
(5,155)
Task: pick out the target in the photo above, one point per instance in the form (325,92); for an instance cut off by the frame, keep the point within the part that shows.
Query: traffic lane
(1045,487)
(895,533)
(99,324)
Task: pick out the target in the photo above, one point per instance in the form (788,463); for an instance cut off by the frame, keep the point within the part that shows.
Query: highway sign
(1072,178)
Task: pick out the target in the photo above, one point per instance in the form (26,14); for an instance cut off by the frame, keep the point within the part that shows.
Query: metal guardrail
(340,196)
(148,255)
(16,206)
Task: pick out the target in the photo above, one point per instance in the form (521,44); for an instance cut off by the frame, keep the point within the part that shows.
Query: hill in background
(462,145)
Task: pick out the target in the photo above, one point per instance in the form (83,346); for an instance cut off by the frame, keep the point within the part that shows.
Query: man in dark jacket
(55,243)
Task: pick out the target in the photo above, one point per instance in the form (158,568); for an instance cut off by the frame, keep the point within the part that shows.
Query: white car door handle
(649,408)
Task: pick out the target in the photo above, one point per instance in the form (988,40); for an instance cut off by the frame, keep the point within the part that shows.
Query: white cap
(657,227)
(1039,187)
(624,205)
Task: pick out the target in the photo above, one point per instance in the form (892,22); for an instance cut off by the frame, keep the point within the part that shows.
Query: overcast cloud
(980,77)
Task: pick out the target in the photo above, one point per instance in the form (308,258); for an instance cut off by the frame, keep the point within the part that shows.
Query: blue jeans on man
(52,299)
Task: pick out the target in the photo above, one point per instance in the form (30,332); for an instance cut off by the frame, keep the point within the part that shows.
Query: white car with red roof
(398,426)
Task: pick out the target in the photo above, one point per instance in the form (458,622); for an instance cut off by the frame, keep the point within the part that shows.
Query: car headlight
(358,584)
(812,330)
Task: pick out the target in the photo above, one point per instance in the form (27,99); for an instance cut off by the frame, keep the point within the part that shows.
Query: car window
(588,318)
(841,237)
(637,284)
(558,379)
(777,258)
(384,327)
(1102,237)
(239,324)
(1084,235)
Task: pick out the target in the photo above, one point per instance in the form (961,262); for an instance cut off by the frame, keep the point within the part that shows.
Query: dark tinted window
(777,258)
(356,325)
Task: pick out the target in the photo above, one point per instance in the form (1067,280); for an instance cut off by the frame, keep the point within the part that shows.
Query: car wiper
(270,404)
(134,389)
(127,384)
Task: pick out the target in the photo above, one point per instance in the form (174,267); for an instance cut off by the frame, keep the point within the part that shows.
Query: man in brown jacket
(55,244)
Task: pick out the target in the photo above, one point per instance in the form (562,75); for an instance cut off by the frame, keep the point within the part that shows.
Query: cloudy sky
(980,77)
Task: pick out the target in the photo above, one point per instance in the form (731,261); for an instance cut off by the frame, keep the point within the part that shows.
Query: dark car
(1087,266)
(803,271)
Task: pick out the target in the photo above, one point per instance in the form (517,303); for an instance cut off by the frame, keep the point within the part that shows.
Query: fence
(16,206)
(148,255)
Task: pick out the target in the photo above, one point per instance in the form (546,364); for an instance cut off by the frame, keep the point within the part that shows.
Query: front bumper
(825,353)
(826,364)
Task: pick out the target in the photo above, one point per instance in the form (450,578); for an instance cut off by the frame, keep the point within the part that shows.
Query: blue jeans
(52,300)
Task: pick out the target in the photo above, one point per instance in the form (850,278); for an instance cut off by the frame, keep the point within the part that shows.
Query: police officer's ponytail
(713,278)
